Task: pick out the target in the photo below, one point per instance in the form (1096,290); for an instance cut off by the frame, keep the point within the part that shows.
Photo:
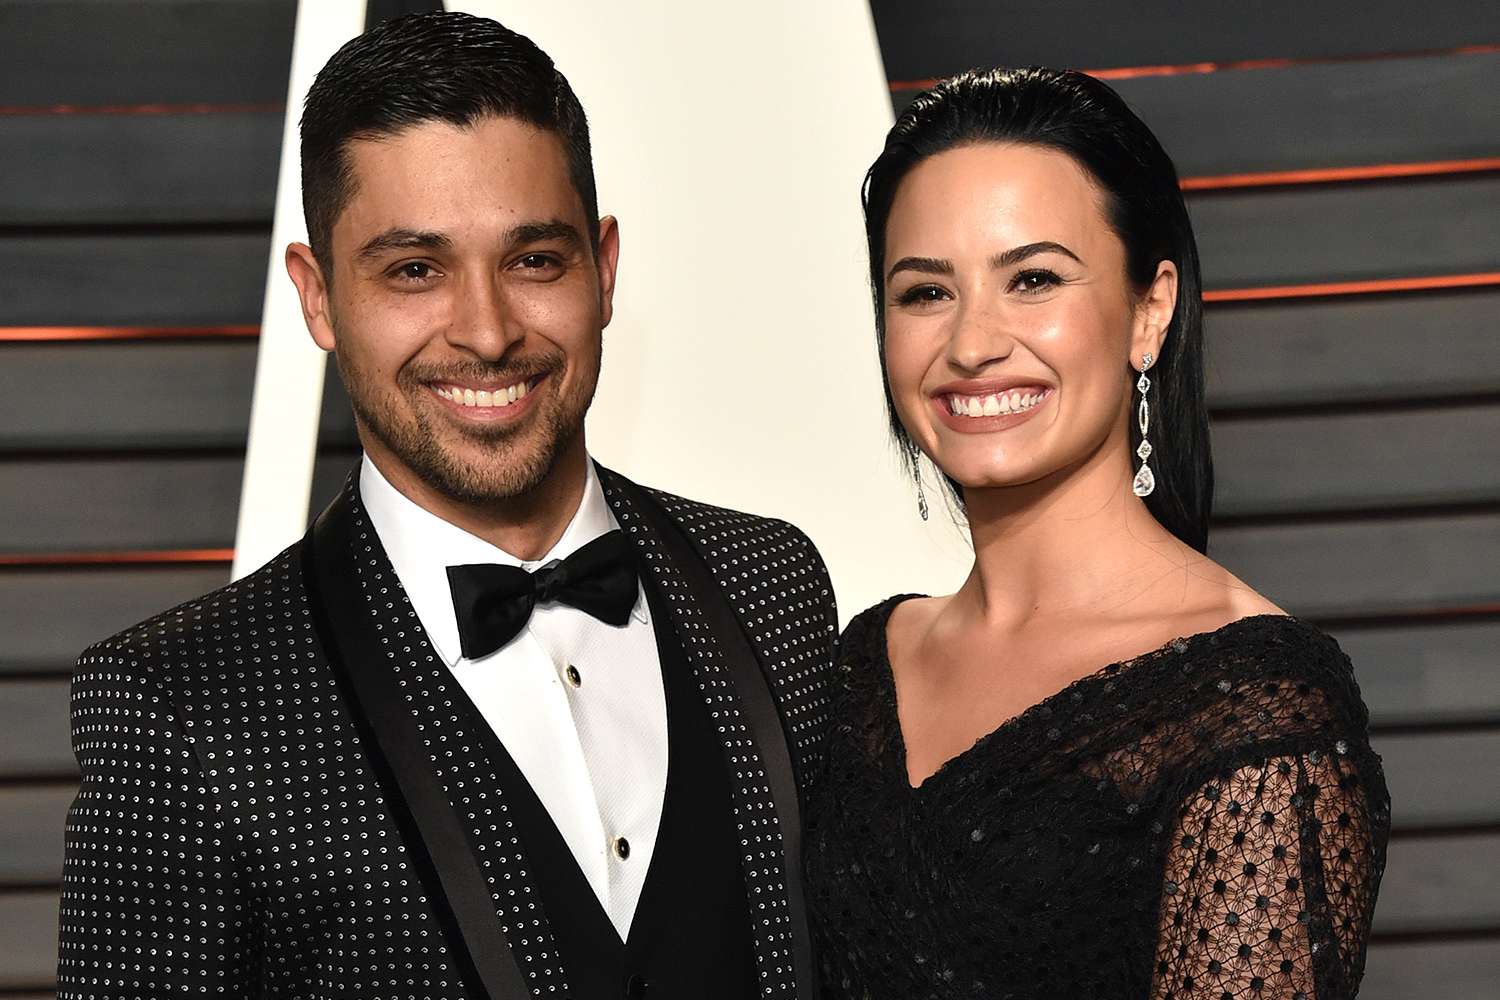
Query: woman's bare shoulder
(1211,597)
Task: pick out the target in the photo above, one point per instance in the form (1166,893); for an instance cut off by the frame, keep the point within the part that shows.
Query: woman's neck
(1078,542)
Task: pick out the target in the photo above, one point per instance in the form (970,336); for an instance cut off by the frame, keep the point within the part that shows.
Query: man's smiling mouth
(486,393)
(464,396)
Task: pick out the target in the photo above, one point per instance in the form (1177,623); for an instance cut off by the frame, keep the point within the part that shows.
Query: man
(503,724)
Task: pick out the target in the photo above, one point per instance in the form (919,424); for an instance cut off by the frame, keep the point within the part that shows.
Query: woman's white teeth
(483,397)
(994,405)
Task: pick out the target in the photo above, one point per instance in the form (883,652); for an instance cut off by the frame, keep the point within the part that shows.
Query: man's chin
(475,462)
(481,470)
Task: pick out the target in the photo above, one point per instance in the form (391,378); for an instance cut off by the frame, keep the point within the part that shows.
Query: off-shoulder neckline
(878,642)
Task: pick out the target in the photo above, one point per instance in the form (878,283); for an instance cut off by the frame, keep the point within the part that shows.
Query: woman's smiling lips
(980,406)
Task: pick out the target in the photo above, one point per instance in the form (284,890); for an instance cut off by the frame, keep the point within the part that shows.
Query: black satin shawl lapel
(750,682)
(433,835)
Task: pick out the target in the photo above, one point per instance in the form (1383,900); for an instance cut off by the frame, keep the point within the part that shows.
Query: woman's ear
(1153,314)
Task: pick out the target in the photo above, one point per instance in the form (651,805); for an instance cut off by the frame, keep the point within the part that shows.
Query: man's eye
(534,261)
(414,270)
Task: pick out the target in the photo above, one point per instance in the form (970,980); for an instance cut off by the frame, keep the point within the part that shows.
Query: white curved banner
(277,483)
(740,368)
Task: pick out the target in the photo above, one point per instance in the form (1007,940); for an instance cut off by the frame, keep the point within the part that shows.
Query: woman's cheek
(906,372)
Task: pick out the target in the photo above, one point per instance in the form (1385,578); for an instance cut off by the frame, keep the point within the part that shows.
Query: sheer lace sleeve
(1271,877)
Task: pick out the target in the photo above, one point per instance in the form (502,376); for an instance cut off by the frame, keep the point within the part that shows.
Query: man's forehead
(483,141)
(435,174)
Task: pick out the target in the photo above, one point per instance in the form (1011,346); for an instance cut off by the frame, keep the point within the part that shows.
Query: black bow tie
(494,602)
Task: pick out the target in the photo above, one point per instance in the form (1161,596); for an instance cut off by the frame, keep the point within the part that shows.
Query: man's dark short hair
(442,66)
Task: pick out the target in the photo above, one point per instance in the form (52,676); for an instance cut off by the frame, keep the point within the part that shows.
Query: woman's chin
(994,478)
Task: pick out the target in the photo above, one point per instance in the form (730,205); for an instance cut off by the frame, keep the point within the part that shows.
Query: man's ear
(608,258)
(312,293)
(1153,314)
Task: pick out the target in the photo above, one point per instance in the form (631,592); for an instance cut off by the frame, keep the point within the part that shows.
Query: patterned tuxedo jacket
(239,833)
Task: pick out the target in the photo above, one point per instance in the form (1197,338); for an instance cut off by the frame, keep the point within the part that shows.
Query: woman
(1104,767)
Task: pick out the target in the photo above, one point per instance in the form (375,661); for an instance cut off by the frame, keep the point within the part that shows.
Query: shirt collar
(421,546)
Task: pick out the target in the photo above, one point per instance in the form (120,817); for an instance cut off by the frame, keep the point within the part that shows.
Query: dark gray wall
(138,154)
(1355,435)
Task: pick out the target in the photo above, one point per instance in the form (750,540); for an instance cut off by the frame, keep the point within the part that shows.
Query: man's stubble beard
(518,460)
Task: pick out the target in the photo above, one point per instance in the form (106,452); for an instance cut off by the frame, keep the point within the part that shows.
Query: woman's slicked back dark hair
(1082,117)
(443,66)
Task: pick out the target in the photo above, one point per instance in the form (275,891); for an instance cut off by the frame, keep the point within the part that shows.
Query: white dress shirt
(579,704)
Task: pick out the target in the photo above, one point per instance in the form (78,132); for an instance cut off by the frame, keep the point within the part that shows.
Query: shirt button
(622,848)
(574,677)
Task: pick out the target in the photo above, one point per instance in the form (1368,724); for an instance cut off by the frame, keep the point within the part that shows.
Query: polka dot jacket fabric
(229,839)
(781,592)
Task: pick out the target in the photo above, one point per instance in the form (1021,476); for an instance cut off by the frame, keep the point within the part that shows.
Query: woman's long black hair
(1084,118)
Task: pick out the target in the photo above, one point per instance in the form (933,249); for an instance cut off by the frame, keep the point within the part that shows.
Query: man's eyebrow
(402,239)
(538,232)
(1017,254)
(922,265)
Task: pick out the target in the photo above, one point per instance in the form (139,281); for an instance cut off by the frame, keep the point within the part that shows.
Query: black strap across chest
(761,714)
(435,839)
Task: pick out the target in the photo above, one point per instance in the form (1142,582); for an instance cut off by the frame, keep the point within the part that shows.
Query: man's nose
(483,323)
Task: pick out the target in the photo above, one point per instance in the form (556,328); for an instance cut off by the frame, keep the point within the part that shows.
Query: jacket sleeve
(827,601)
(154,902)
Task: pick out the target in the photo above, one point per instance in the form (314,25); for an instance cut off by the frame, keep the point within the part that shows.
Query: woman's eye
(1035,281)
(921,294)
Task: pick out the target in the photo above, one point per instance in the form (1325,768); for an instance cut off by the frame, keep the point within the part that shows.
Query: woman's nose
(980,338)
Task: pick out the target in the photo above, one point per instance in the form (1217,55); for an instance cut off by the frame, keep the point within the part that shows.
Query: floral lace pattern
(1203,821)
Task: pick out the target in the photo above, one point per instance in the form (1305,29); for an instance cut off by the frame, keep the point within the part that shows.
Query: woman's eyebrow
(923,265)
(1015,255)
(1009,258)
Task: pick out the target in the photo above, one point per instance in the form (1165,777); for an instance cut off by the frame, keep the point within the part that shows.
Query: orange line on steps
(1328,175)
(38,334)
(1195,68)
(153,557)
(1372,287)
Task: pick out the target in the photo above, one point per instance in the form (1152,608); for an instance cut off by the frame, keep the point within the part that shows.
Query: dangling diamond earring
(1145,482)
(916,475)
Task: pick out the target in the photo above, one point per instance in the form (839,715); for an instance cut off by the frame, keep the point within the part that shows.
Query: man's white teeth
(994,405)
(483,397)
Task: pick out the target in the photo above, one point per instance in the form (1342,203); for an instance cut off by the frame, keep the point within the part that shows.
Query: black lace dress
(1204,821)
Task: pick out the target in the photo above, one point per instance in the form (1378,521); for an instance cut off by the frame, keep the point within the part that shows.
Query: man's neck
(525,526)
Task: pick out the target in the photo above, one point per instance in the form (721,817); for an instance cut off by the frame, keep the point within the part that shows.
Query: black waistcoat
(691,936)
